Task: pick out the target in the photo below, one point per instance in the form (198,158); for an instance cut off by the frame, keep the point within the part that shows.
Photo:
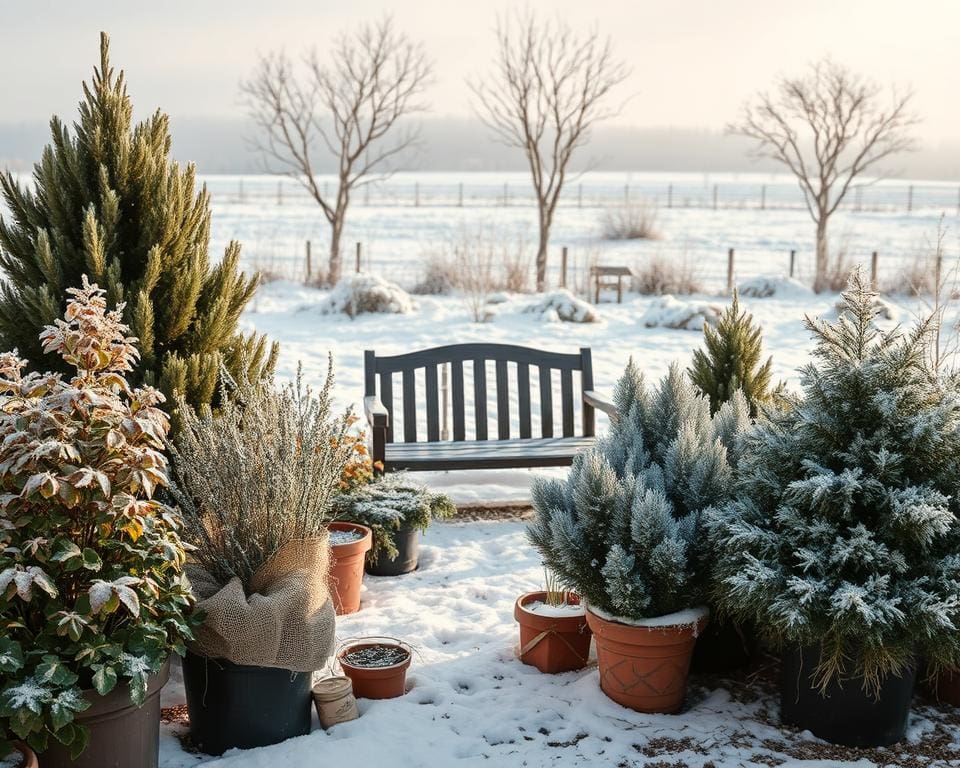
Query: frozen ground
(471,703)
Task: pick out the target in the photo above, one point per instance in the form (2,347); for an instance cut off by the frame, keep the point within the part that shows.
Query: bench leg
(378,440)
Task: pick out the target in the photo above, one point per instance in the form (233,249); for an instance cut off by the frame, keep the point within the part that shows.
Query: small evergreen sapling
(732,361)
(835,534)
(623,529)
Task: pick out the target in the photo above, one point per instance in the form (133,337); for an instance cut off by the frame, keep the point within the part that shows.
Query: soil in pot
(723,647)
(552,639)
(845,714)
(235,705)
(644,666)
(122,735)
(407,540)
(378,670)
(21,757)
(349,543)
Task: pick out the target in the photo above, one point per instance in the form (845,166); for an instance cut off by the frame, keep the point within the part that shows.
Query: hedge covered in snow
(363,293)
(563,306)
(671,312)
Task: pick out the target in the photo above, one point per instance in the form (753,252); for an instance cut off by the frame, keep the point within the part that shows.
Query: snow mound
(501,297)
(561,305)
(764,286)
(363,293)
(885,310)
(671,312)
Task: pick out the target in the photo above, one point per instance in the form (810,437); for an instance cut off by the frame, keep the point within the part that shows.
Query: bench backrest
(479,355)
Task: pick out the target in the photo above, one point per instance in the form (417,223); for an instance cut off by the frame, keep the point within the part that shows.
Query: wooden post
(793,261)
(763,197)
(873,270)
(596,283)
(714,197)
(563,267)
(416,194)
(308,261)
(580,197)
(730,270)
(669,195)
(359,253)
(619,289)
(910,198)
(460,198)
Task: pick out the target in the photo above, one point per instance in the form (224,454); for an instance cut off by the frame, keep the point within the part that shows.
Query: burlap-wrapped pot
(288,619)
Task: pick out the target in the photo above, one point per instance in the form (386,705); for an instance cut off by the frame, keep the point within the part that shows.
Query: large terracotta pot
(552,643)
(645,668)
(376,682)
(346,567)
(28,758)
(121,734)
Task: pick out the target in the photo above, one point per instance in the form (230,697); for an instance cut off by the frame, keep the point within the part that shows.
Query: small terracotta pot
(29,759)
(346,567)
(552,643)
(644,668)
(945,687)
(376,682)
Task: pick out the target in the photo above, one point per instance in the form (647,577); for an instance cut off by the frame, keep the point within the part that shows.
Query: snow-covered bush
(764,286)
(670,312)
(364,293)
(388,503)
(91,584)
(564,306)
(842,502)
(623,529)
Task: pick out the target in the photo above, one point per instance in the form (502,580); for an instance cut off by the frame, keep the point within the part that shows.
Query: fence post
(714,197)
(793,261)
(873,270)
(669,195)
(563,267)
(910,198)
(763,197)
(730,270)
(359,252)
(416,194)
(580,196)
(460,198)
(308,261)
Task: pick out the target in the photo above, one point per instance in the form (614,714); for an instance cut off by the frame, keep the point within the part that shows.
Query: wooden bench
(404,451)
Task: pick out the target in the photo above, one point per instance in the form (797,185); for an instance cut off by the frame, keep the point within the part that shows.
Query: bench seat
(486,454)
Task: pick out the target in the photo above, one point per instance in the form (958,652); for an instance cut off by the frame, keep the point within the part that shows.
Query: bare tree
(548,87)
(828,128)
(352,108)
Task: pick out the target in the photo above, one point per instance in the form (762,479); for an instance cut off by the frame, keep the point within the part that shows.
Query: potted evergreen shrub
(623,531)
(831,544)
(554,636)
(92,595)
(398,511)
(254,481)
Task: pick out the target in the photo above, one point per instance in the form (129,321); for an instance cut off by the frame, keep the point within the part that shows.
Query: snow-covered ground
(472,703)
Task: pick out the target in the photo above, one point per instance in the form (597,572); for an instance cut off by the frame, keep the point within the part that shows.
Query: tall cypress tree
(107,202)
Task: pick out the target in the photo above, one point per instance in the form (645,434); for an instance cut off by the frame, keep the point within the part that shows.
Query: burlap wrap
(287,621)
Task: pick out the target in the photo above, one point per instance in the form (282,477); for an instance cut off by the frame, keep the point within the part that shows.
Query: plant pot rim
(29,757)
(353,645)
(574,622)
(348,548)
(571,597)
(690,618)
(119,698)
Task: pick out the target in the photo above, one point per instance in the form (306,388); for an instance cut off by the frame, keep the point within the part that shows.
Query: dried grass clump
(258,473)
(661,276)
(630,221)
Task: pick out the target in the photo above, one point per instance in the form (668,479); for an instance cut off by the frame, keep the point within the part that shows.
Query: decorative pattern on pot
(349,543)
(645,666)
(552,639)
(376,666)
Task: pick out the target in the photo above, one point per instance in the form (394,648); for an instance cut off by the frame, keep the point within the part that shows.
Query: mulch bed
(495,510)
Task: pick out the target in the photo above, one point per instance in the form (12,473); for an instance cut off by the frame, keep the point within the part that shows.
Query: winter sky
(694,61)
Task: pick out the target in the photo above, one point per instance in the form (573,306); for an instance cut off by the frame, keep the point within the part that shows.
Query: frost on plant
(843,527)
(624,528)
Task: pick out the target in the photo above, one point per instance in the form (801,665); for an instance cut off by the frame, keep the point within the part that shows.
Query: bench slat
(523,398)
(465,352)
(546,403)
(566,394)
(409,407)
(433,404)
(503,401)
(386,397)
(459,409)
(480,398)
(486,454)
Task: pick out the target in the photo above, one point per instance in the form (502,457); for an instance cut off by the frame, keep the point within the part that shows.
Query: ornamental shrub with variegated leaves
(92,593)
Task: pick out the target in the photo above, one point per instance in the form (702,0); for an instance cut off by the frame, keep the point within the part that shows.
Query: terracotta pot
(28,756)
(346,567)
(552,643)
(376,682)
(644,668)
(945,687)
(121,734)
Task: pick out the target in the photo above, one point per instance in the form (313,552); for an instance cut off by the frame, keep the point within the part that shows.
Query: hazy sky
(693,61)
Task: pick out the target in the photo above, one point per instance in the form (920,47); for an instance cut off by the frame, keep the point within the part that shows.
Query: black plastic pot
(847,715)
(407,540)
(723,647)
(232,705)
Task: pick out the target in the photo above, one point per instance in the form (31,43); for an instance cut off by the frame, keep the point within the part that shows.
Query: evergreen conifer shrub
(834,534)
(107,202)
(624,528)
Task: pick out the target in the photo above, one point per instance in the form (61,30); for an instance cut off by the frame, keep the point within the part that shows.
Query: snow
(685,618)
(563,306)
(682,314)
(554,611)
(344,537)
(364,293)
(764,286)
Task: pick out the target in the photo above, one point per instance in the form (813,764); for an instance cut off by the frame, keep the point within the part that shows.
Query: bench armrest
(377,415)
(600,402)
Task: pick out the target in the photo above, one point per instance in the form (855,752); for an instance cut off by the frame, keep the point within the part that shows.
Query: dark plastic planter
(846,715)
(723,647)
(407,540)
(232,705)
(122,735)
